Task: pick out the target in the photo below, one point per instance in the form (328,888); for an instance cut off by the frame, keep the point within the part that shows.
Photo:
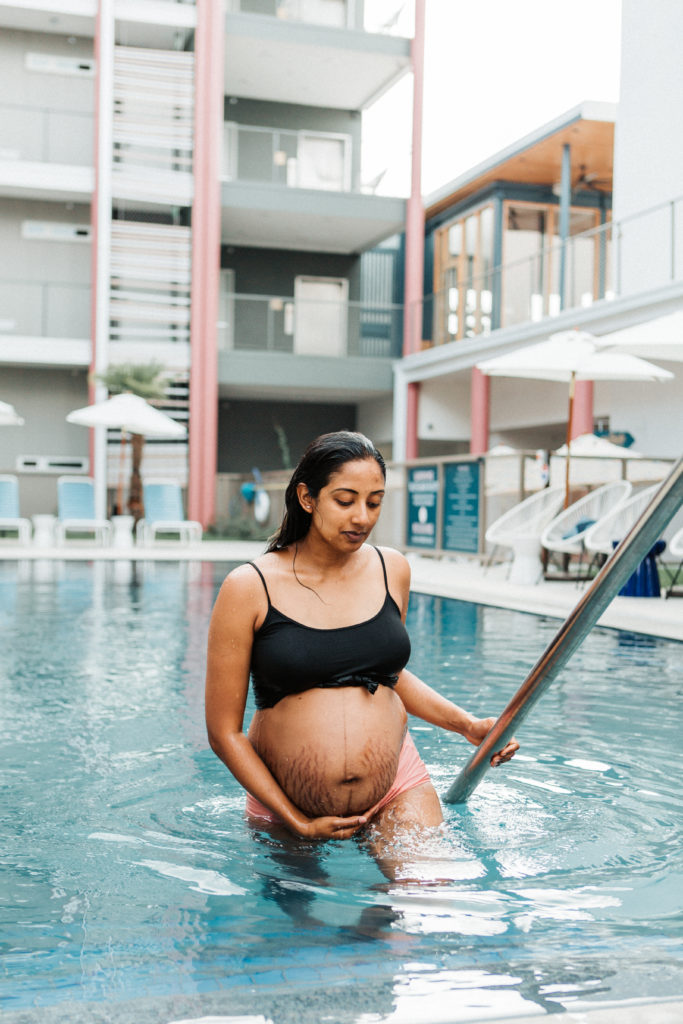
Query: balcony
(313,52)
(634,255)
(46,153)
(44,323)
(295,190)
(316,347)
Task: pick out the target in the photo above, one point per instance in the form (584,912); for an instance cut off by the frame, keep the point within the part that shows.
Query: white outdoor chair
(76,510)
(520,529)
(566,533)
(676,549)
(601,537)
(10,519)
(164,514)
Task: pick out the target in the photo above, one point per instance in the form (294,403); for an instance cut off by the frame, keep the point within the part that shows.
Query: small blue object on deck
(644,581)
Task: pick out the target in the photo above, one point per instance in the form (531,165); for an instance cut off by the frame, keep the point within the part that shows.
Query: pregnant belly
(332,751)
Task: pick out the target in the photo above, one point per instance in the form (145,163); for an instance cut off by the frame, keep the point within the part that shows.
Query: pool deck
(462,578)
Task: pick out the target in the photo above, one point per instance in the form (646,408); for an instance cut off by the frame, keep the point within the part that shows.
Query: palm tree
(149,382)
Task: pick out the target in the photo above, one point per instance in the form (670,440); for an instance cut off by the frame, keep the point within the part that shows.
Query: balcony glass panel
(389,17)
(317,160)
(276,323)
(44,309)
(40,135)
(316,12)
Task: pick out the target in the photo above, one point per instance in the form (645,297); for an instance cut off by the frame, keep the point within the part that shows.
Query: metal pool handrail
(621,564)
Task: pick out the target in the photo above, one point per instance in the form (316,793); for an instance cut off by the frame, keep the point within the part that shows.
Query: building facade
(184,183)
(578,225)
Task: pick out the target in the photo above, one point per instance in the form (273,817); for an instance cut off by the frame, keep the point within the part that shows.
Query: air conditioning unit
(52,464)
(55,231)
(56,64)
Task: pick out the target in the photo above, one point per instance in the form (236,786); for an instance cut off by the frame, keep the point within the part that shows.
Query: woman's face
(348,507)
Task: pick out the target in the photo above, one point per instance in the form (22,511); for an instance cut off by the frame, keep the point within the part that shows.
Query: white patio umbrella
(131,415)
(9,416)
(569,356)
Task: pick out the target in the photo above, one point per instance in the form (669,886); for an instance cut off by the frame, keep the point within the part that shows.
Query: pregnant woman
(318,623)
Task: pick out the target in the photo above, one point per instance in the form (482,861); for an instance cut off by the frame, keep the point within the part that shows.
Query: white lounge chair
(566,533)
(520,529)
(10,519)
(164,514)
(76,510)
(603,536)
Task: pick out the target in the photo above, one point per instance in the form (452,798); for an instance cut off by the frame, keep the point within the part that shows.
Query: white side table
(122,533)
(44,531)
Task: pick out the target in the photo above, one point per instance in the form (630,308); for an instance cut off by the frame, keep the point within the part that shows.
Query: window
(463,277)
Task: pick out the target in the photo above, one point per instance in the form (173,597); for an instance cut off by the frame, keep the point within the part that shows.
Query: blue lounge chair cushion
(580,527)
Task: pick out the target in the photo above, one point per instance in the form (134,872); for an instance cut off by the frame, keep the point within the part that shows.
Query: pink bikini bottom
(411,773)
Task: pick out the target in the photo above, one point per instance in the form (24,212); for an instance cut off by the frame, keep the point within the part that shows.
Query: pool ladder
(611,578)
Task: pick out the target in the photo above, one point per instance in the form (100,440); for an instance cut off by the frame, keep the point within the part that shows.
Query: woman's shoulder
(250,577)
(397,565)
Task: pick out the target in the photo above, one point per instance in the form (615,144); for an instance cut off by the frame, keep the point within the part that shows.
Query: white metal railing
(601,263)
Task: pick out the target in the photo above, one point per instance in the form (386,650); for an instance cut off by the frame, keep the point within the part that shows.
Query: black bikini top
(289,657)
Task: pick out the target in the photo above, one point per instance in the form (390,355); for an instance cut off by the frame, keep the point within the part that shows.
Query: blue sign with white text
(423,489)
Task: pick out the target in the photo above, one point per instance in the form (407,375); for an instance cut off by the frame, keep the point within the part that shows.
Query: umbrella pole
(119,486)
(570,416)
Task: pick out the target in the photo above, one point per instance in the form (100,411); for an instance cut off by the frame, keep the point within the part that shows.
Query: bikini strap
(384,568)
(263,580)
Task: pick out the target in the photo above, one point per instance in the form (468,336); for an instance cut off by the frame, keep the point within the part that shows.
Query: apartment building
(184,183)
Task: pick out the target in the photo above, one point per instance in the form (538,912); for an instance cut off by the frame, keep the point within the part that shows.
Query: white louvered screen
(153,125)
(150,301)
(150,281)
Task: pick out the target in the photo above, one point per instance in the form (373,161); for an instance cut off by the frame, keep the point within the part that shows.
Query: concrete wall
(648,150)
(375,420)
(44,284)
(55,120)
(272,271)
(248,431)
(444,412)
(651,411)
(43,398)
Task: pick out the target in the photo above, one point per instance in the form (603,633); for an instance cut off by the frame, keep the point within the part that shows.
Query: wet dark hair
(323,457)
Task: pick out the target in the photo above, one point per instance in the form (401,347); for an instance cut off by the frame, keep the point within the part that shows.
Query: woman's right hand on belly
(331,827)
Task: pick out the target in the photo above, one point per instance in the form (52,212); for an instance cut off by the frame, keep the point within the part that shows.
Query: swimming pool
(134,890)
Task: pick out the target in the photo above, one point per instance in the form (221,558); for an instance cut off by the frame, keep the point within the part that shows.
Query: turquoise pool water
(133,890)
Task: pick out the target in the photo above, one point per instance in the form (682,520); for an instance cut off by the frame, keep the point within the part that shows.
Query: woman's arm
(231,633)
(421,700)
(425,703)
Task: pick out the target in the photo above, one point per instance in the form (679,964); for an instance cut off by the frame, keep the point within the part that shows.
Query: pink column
(206,240)
(412,403)
(94,294)
(582,413)
(412,320)
(479,412)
